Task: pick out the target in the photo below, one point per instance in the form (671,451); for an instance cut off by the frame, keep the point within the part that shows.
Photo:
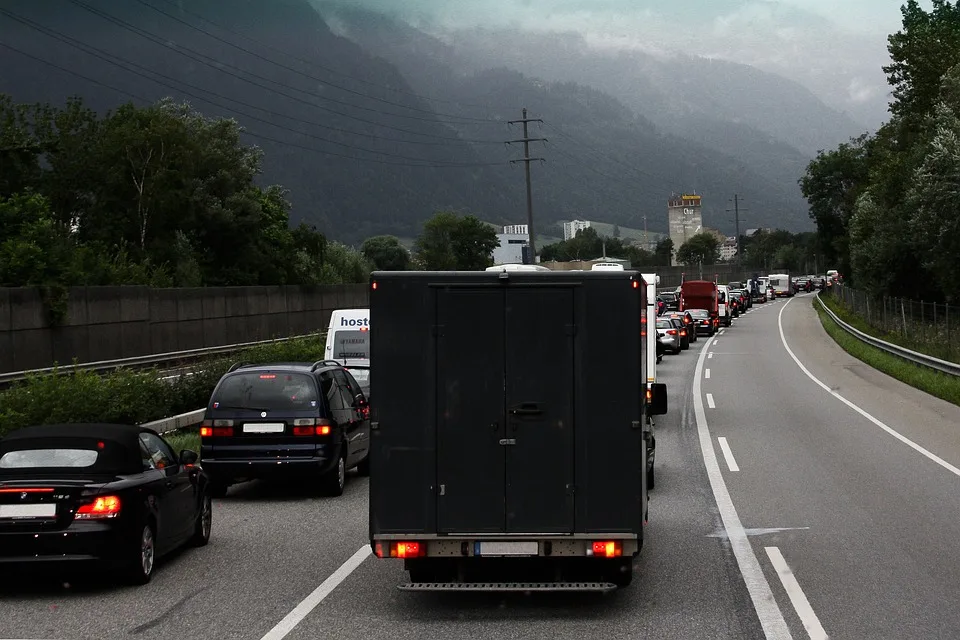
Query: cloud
(834,48)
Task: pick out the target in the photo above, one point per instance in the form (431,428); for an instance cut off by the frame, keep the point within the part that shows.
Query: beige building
(684,213)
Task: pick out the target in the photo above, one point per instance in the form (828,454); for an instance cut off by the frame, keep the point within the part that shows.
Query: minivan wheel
(335,479)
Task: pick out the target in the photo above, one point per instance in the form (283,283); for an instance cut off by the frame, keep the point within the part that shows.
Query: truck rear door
(505,433)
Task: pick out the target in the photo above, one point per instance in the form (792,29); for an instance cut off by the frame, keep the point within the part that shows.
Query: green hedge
(132,396)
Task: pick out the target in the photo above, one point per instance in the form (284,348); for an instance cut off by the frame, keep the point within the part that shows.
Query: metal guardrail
(916,357)
(147,360)
(175,423)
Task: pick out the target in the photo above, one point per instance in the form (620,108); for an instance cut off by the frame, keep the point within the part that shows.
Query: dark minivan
(280,420)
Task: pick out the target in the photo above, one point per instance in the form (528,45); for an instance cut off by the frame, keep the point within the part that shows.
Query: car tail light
(311,427)
(683,332)
(401,549)
(671,332)
(605,549)
(102,507)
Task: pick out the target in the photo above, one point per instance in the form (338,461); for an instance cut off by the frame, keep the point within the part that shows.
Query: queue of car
(118,494)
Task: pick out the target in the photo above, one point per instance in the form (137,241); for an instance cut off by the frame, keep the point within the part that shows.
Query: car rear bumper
(227,469)
(86,543)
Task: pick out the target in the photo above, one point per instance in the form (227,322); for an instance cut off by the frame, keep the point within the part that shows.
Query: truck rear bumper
(484,546)
(522,587)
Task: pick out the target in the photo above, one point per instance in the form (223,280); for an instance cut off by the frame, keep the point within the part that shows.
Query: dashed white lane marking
(706,373)
(896,434)
(309,603)
(799,600)
(771,618)
(710,402)
(710,355)
(728,454)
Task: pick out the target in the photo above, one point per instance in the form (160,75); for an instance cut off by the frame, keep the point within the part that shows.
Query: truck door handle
(526,409)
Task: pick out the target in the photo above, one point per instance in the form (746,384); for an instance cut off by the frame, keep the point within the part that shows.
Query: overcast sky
(834,47)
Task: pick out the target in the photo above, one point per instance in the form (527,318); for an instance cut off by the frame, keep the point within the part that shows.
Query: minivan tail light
(102,507)
(311,427)
(216,432)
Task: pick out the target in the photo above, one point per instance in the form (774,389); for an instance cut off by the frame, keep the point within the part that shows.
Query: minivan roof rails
(325,363)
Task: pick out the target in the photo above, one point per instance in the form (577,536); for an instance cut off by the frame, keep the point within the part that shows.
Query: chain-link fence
(928,327)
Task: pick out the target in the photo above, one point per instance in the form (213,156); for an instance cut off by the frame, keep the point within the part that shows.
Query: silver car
(669,336)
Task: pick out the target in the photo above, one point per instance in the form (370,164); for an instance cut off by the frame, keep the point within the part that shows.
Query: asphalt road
(869,546)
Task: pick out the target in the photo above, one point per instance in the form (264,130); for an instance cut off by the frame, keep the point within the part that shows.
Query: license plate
(523,548)
(28,510)
(264,427)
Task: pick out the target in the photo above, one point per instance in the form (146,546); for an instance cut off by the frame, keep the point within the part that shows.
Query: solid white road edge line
(896,434)
(799,600)
(771,618)
(710,402)
(706,373)
(728,454)
(309,603)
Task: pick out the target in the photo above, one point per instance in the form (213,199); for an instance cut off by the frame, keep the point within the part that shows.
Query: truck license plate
(503,548)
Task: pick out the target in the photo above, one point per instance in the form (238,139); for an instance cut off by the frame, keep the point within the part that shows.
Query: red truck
(702,294)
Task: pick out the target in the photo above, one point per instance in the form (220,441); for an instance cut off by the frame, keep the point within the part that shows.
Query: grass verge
(184,439)
(941,385)
(938,347)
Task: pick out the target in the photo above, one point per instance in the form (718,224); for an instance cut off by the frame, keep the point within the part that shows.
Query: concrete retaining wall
(108,323)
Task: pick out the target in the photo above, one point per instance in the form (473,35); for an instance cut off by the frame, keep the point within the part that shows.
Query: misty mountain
(370,141)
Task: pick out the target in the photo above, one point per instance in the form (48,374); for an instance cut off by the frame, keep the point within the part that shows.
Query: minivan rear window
(351,344)
(267,390)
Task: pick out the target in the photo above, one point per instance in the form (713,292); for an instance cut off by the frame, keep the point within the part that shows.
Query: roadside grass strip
(941,385)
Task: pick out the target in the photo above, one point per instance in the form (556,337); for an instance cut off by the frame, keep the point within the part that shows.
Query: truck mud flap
(596,587)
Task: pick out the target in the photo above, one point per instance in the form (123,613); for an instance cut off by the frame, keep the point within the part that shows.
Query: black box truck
(508,435)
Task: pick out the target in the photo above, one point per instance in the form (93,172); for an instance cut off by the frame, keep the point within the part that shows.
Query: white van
(782,284)
(723,305)
(651,280)
(348,335)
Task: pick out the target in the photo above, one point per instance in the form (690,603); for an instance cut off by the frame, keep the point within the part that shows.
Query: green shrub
(132,396)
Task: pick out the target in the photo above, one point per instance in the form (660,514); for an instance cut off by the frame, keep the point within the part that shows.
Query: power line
(79,75)
(311,63)
(88,48)
(425,163)
(106,57)
(218,65)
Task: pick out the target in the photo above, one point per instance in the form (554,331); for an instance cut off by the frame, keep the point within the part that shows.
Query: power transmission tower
(526,140)
(736,217)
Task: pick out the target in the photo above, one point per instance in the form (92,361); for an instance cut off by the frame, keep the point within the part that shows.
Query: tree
(449,242)
(935,195)
(386,253)
(926,46)
(149,194)
(664,252)
(831,185)
(616,231)
(703,248)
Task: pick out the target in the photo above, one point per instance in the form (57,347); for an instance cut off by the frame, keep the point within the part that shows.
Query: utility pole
(526,140)
(736,218)
(646,240)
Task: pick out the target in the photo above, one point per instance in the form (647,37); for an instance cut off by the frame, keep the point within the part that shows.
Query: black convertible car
(105,492)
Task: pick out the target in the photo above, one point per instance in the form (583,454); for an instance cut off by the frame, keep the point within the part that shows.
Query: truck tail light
(102,507)
(400,549)
(605,549)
